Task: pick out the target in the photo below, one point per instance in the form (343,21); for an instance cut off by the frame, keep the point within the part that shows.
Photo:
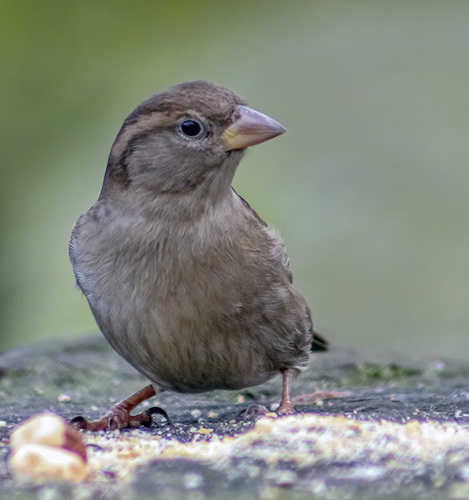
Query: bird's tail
(319,343)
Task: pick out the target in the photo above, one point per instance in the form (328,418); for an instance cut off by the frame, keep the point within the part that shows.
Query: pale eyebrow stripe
(144,124)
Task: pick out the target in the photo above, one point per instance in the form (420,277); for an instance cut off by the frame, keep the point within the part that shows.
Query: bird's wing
(319,342)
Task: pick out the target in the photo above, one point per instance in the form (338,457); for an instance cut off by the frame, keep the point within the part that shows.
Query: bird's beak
(249,128)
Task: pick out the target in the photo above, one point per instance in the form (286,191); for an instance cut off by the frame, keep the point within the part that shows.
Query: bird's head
(188,137)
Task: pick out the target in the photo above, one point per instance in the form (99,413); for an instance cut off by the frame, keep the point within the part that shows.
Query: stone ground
(368,427)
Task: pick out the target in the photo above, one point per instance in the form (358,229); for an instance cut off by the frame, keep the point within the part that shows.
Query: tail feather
(319,343)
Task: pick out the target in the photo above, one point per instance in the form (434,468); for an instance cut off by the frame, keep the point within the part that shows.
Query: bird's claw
(156,410)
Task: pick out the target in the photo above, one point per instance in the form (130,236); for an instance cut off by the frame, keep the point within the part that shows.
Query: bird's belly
(192,362)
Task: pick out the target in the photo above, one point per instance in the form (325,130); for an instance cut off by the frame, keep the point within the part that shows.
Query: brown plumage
(185,281)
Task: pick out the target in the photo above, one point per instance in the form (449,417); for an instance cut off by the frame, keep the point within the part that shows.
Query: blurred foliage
(369,188)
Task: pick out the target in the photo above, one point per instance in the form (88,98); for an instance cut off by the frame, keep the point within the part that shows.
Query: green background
(369,188)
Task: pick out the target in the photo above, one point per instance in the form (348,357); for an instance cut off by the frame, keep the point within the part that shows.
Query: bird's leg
(286,406)
(119,416)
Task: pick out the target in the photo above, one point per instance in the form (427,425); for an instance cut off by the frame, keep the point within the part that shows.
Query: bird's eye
(191,129)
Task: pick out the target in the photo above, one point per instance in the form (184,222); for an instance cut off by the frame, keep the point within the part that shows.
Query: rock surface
(394,427)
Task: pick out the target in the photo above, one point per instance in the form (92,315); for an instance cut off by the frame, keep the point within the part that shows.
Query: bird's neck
(194,202)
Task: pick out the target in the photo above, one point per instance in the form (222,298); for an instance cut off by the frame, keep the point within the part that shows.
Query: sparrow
(184,279)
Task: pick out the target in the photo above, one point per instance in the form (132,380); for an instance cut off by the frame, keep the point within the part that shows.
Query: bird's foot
(120,418)
(253,411)
(257,410)
(285,408)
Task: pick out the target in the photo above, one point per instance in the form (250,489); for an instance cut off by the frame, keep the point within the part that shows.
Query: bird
(184,279)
